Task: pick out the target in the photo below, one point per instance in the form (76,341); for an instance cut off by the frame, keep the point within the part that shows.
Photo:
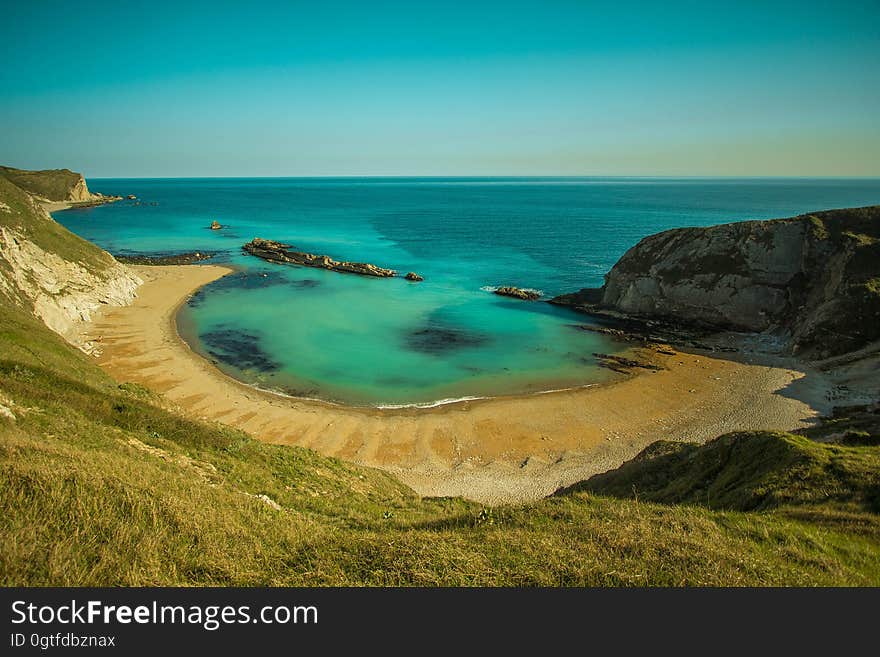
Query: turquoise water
(371,341)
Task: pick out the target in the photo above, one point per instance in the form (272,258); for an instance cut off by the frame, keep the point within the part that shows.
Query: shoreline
(60,206)
(492,450)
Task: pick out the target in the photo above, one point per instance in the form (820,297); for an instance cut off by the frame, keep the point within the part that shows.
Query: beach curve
(508,449)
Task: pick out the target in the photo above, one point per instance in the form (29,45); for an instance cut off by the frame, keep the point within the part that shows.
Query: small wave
(580,387)
(431,404)
(489,288)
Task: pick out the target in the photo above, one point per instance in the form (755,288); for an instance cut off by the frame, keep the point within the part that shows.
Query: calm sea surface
(370,341)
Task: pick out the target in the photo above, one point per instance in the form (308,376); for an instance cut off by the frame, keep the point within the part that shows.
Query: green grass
(751,471)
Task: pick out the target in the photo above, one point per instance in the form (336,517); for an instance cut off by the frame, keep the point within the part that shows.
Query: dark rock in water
(131,197)
(443,340)
(215,225)
(163,258)
(282,253)
(517,293)
(238,348)
(412,276)
(582,299)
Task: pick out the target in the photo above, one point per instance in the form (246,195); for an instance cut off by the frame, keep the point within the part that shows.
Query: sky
(166,89)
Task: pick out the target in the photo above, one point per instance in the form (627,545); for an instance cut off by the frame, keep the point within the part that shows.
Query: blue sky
(423,88)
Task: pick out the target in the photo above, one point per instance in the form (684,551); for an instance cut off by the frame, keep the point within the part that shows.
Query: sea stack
(215,225)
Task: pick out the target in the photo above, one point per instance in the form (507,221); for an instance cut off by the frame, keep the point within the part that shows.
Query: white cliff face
(80,192)
(63,294)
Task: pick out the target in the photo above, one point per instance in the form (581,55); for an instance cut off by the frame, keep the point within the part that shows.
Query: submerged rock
(281,253)
(443,339)
(412,276)
(517,293)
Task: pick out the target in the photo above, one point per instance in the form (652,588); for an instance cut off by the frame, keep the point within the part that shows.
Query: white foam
(431,404)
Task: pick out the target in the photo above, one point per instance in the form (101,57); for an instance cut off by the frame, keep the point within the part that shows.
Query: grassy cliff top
(51,184)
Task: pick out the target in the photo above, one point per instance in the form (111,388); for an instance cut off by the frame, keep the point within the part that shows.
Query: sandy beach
(496,450)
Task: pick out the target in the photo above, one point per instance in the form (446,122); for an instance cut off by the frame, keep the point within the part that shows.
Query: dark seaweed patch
(257,279)
(248,280)
(239,348)
(442,340)
(306,283)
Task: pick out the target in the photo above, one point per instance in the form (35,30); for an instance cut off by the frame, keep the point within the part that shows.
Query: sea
(378,342)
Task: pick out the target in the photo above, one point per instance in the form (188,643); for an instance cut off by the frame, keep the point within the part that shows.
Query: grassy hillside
(51,184)
(751,471)
(99,484)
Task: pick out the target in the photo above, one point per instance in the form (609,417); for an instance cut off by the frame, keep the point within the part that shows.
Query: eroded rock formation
(282,253)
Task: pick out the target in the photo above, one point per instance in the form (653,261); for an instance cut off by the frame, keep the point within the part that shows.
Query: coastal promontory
(56,186)
(812,281)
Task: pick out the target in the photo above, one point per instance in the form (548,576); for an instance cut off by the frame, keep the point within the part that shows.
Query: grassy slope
(100,484)
(751,471)
(51,184)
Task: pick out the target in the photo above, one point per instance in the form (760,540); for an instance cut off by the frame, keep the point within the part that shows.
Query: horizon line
(496,176)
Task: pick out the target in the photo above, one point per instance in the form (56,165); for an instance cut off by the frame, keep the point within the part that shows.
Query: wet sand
(498,450)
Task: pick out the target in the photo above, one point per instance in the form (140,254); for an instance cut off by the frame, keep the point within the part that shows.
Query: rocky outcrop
(813,280)
(215,225)
(281,253)
(517,293)
(161,259)
(414,277)
(61,278)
